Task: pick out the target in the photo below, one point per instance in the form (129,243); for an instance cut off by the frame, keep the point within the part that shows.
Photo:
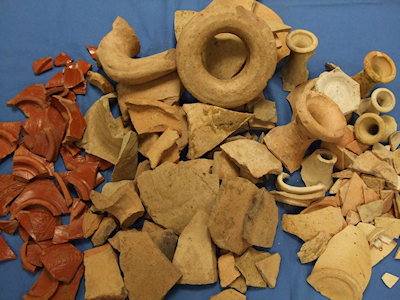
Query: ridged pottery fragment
(195,254)
(209,126)
(344,269)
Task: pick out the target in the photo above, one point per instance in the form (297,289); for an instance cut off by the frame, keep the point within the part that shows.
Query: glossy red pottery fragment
(24,219)
(5,251)
(83,65)
(23,234)
(44,287)
(25,263)
(56,80)
(92,50)
(57,90)
(67,291)
(75,229)
(41,65)
(60,234)
(72,77)
(62,261)
(9,136)
(10,188)
(64,189)
(31,100)
(41,192)
(76,121)
(62,59)
(9,227)
(43,224)
(71,96)
(71,162)
(80,89)
(104,165)
(27,165)
(83,179)
(33,254)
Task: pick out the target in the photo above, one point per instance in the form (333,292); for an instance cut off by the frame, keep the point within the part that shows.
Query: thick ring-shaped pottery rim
(252,79)
(370,71)
(293,45)
(388,106)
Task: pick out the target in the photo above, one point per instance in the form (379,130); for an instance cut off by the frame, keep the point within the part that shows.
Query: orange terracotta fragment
(10,188)
(64,189)
(9,226)
(24,219)
(31,100)
(44,287)
(27,165)
(71,162)
(67,291)
(38,223)
(41,192)
(25,263)
(23,234)
(5,251)
(9,136)
(104,165)
(41,65)
(72,77)
(92,50)
(83,66)
(60,234)
(76,121)
(33,254)
(72,148)
(83,179)
(71,96)
(56,80)
(80,89)
(62,261)
(45,143)
(75,229)
(62,59)
(99,180)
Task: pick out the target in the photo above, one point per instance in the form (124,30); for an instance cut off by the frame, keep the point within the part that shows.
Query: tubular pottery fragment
(117,49)
(344,269)
(251,80)
(369,128)
(317,117)
(318,167)
(378,68)
(382,100)
(302,44)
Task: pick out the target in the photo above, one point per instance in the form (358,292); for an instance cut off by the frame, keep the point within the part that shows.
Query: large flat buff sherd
(173,193)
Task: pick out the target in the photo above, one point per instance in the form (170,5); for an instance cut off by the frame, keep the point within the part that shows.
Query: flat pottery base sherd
(103,278)
(173,193)
(228,214)
(344,269)
(195,254)
(148,274)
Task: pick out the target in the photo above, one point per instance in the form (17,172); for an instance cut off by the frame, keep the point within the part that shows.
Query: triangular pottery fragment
(389,279)
(163,143)
(149,116)
(125,168)
(247,266)
(223,166)
(253,157)
(354,196)
(269,269)
(209,126)
(226,269)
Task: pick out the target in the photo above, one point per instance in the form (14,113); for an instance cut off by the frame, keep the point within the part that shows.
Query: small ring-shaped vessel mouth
(383,100)
(369,128)
(301,41)
(321,116)
(380,67)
